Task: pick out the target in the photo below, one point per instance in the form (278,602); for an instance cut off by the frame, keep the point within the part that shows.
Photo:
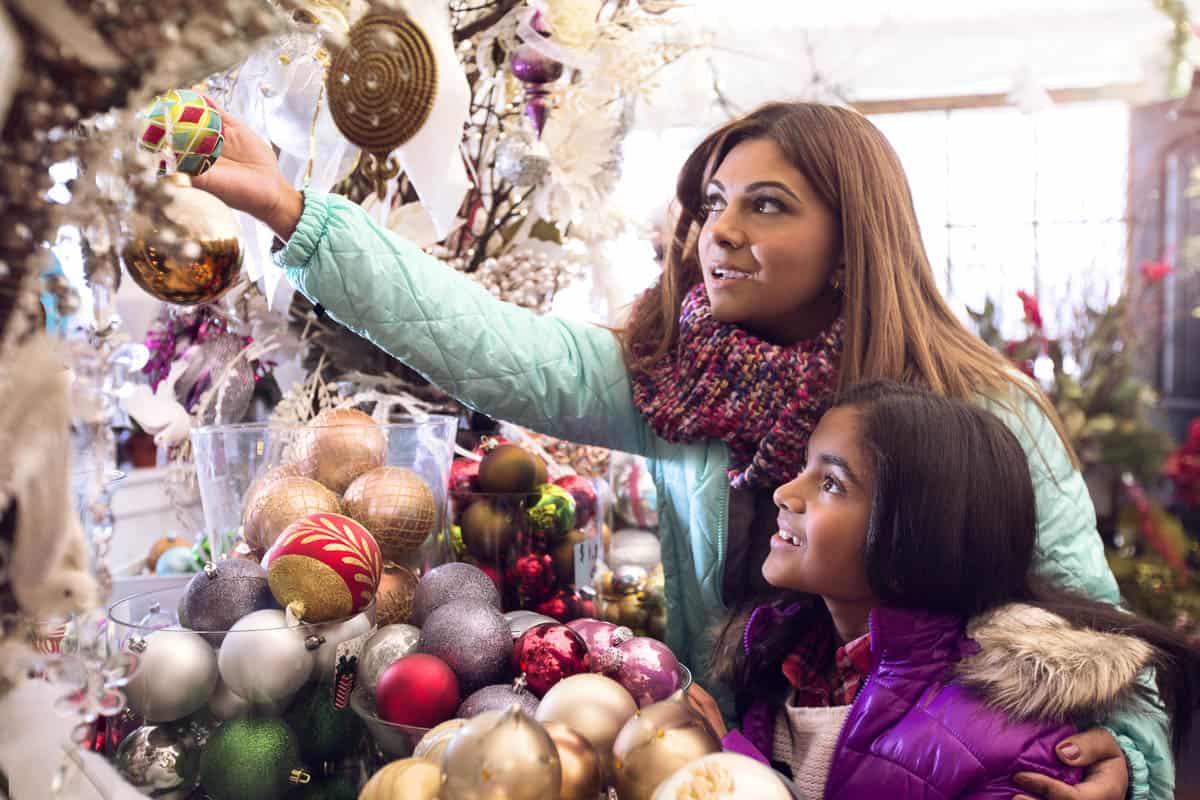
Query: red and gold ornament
(547,653)
(324,567)
(418,690)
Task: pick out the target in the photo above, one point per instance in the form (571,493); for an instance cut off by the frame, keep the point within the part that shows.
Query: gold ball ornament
(723,776)
(656,742)
(502,754)
(187,253)
(487,532)
(407,779)
(582,777)
(281,502)
(255,496)
(394,598)
(632,611)
(434,743)
(508,469)
(593,706)
(395,505)
(337,446)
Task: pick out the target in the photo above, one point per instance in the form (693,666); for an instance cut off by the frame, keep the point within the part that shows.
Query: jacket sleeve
(1070,553)
(564,379)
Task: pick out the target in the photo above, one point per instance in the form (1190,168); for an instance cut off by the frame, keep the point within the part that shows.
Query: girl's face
(823,516)
(768,246)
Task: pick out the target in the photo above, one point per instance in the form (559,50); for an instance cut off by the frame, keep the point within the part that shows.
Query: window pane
(1083,156)
(1079,263)
(992,261)
(991,159)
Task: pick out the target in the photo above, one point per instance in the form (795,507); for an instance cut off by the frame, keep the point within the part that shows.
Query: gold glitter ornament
(279,504)
(255,499)
(394,597)
(409,778)
(337,446)
(395,505)
(381,88)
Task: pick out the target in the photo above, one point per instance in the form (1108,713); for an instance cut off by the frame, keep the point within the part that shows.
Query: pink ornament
(598,634)
(645,667)
(547,653)
(584,493)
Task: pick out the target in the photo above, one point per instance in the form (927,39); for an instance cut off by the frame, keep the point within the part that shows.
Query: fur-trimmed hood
(1034,665)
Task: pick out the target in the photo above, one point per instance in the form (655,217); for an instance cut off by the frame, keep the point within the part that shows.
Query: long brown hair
(898,325)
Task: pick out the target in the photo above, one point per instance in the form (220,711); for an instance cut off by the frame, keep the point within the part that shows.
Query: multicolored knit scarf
(761,399)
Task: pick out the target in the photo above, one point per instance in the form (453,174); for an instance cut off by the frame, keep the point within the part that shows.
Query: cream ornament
(407,779)
(723,776)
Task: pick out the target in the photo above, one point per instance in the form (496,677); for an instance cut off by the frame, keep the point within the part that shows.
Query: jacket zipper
(862,690)
(723,525)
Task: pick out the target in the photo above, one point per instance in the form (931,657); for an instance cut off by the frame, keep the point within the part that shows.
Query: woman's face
(823,516)
(768,246)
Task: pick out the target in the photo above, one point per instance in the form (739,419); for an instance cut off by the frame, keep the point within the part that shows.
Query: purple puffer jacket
(947,712)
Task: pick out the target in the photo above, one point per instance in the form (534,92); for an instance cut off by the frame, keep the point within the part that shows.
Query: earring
(836,284)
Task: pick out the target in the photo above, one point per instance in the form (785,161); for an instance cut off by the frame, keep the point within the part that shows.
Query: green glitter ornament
(325,733)
(246,758)
(553,514)
(336,788)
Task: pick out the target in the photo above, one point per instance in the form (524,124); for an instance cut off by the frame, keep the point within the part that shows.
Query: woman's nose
(725,230)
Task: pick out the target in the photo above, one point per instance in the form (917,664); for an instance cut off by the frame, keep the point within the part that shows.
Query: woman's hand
(247,178)
(1106,775)
(707,707)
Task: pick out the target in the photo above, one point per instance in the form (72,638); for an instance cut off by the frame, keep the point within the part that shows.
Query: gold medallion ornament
(381,88)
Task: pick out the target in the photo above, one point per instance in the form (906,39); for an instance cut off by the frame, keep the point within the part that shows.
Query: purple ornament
(472,637)
(223,593)
(645,667)
(535,69)
(598,634)
(451,582)
(498,697)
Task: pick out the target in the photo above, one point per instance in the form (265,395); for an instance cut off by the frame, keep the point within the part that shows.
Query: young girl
(909,538)
(797,269)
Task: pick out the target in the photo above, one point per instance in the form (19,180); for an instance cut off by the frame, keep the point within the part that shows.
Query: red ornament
(534,576)
(563,605)
(464,476)
(418,690)
(547,653)
(585,497)
(326,566)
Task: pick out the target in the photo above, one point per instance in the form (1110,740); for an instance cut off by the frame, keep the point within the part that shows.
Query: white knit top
(804,740)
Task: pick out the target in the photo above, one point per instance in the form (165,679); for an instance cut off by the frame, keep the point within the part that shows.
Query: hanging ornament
(395,505)
(582,777)
(434,743)
(502,754)
(189,251)
(593,706)
(472,637)
(546,654)
(535,69)
(598,634)
(337,446)
(256,758)
(521,620)
(656,741)
(150,758)
(509,469)
(325,733)
(498,697)
(723,776)
(552,514)
(185,125)
(418,690)
(176,674)
(324,567)
(521,159)
(385,647)
(274,505)
(453,581)
(408,778)
(394,598)
(264,660)
(381,89)
(488,532)
(584,493)
(221,594)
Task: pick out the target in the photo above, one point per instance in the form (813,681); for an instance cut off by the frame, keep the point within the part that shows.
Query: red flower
(1155,271)
(1033,313)
(1183,468)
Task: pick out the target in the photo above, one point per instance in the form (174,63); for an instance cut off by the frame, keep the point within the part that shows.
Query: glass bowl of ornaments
(537,536)
(234,693)
(256,479)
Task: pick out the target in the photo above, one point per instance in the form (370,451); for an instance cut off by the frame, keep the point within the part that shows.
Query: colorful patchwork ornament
(186,124)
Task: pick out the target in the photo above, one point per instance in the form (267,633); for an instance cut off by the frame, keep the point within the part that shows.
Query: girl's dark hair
(953,527)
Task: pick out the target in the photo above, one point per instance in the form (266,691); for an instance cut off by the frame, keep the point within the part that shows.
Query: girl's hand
(247,178)
(707,707)
(1106,775)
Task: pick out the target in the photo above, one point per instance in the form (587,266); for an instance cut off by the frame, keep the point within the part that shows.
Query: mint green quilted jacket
(568,380)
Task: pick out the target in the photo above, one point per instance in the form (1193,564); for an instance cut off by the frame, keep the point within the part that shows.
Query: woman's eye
(765,205)
(712,204)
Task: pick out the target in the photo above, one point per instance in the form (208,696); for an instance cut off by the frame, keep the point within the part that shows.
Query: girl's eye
(830,484)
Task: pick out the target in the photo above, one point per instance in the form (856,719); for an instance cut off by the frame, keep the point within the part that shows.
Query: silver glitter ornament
(472,637)
(521,159)
(498,697)
(389,644)
(150,758)
(223,593)
(176,674)
(453,581)
(522,620)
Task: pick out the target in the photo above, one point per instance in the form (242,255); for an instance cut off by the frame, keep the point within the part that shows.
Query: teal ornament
(553,513)
(176,561)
